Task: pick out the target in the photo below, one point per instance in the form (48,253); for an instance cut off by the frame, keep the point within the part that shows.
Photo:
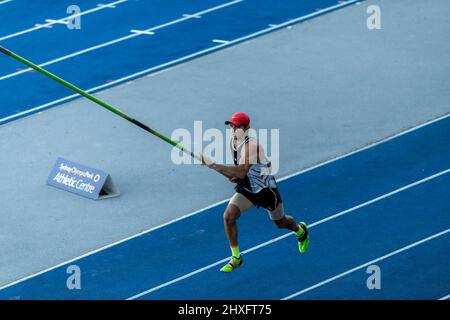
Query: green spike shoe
(303,241)
(233,264)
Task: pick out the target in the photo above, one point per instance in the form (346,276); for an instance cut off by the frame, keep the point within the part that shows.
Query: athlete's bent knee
(231,214)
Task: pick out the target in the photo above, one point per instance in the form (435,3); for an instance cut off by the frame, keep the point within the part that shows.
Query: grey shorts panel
(241,202)
(278,213)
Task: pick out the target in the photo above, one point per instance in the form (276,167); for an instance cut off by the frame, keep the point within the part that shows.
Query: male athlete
(254,187)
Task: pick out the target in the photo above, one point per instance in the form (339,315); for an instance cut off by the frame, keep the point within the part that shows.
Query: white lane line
(221,41)
(111,6)
(343,274)
(195,16)
(277,25)
(56,21)
(447,297)
(47,25)
(290,234)
(105,44)
(140,32)
(5,1)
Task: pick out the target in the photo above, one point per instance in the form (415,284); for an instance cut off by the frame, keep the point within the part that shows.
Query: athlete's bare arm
(233,173)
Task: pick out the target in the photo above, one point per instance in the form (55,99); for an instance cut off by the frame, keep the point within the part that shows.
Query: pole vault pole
(105,105)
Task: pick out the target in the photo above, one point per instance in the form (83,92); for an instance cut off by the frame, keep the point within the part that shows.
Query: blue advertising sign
(82,180)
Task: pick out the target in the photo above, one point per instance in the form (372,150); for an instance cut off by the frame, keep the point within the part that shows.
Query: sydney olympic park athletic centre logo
(213,144)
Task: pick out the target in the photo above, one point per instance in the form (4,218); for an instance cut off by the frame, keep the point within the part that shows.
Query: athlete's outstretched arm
(238,172)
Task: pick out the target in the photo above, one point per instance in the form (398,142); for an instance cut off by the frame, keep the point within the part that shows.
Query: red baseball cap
(239,119)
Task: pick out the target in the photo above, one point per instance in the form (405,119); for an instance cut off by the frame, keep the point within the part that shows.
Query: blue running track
(387,205)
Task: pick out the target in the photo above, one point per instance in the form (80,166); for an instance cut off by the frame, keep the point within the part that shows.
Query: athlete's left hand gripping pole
(105,105)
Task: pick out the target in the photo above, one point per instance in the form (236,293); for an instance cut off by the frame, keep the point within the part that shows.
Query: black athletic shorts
(268,198)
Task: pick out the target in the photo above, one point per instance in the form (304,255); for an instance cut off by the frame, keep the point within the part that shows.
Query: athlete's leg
(238,205)
(284,221)
(232,213)
(287,222)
